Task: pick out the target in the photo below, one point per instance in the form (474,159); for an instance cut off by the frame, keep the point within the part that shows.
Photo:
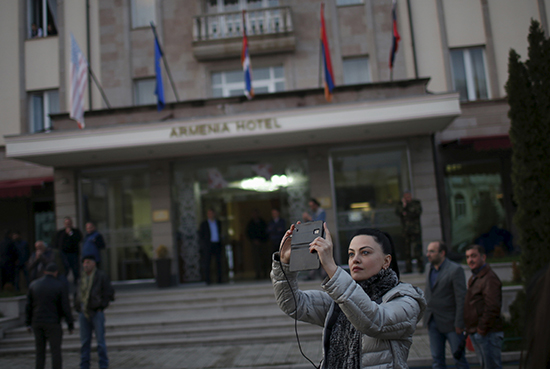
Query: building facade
(147,177)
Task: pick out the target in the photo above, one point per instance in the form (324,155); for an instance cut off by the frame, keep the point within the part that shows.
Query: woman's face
(366,258)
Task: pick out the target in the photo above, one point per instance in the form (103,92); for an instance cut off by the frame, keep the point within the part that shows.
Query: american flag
(79,83)
(245,60)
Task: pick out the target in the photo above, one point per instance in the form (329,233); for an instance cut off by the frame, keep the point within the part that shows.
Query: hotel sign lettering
(235,127)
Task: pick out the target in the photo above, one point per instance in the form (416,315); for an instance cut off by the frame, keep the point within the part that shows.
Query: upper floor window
(264,80)
(469,76)
(348,2)
(144,91)
(42,18)
(41,105)
(143,13)
(356,70)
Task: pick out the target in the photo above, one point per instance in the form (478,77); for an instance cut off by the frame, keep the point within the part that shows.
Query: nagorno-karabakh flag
(327,72)
(245,60)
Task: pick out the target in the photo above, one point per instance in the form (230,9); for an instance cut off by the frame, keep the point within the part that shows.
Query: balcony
(219,36)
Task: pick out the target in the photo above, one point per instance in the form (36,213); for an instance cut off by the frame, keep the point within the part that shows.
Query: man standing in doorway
(93,296)
(409,211)
(276,229)
(93,243)
(444,315)
(316,212)
(211,244)
(482,309)
(47,303)
(67,240)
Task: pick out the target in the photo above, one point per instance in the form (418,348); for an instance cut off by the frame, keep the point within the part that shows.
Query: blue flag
(159,89)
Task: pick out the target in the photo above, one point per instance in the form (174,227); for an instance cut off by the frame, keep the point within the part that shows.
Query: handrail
(260,21)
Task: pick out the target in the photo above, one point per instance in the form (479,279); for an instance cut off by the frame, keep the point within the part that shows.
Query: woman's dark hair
(384,240)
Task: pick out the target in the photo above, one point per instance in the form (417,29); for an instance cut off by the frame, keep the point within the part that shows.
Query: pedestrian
(369,317)
(23,255)
(93,243)
(93,296)
(8,261)
(276,229)
(256,230)
(67,240)
(210,239)
(316,212)
(482,307)
(444,315)
(41,257)
(409,211)
(47,303)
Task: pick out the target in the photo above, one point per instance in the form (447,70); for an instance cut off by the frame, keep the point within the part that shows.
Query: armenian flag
(329,76)
(395,35)
(245,60)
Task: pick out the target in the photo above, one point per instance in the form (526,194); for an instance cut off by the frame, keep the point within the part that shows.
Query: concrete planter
(13,309)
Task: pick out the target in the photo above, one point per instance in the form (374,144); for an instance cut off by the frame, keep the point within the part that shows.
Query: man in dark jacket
(93,243)
(256,230)
(67,240)
(41,257)
(8,260)
(93,296)
(482,309)
(47,303)
(210,238)
(444,315)
(409,210)
(23,254)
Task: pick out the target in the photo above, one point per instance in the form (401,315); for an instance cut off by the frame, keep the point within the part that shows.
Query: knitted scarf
(345,335)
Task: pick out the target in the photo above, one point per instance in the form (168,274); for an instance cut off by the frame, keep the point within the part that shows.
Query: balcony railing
(227,25)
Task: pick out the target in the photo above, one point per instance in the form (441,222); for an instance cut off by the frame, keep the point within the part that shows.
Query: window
(224,6)
(348,2)
(264,80)
(144,91)
(469,77)
(356,70)
(143,13)
(41,105)
(42,18)
(460,206)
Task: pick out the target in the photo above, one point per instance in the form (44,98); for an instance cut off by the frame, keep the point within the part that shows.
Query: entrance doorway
(234,188)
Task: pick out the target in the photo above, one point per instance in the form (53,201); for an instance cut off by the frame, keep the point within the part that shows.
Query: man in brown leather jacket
(482,309)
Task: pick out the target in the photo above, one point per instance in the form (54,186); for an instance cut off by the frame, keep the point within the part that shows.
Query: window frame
(43,26)
(227,87)
(469,73)
(46,96)
(358,57)
(134,14)
(340,3)
(137,82)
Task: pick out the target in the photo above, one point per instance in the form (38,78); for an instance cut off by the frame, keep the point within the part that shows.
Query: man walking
(47,303)
(67,240)
(93,243)
(444,292)
(211,244)
(482,309)
(94,295)
(409,211)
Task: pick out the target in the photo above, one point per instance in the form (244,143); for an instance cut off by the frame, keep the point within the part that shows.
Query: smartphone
(303,235)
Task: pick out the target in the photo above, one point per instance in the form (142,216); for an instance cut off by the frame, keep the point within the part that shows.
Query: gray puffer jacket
(387,328)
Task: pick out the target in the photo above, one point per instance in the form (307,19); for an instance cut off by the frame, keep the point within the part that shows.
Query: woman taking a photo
(369,317)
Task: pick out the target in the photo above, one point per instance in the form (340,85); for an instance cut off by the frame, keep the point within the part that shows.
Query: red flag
(395,35)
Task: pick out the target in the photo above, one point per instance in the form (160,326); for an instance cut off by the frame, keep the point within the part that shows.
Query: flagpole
(99,87)
(165,63)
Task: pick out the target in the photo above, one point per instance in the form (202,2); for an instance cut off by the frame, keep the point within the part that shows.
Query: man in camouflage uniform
(409,211)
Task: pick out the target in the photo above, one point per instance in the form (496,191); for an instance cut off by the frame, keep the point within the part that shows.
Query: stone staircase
(188,316)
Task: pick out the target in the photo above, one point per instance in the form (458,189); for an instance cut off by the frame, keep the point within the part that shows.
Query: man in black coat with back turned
(67,240)
(47,303)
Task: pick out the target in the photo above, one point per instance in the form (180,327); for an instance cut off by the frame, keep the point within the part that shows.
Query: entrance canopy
(288,127)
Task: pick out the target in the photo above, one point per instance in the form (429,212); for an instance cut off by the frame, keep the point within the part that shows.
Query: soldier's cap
(51,267)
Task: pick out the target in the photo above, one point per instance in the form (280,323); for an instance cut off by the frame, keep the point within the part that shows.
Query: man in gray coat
(444,315)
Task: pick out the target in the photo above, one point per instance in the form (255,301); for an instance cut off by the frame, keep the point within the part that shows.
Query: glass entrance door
(368,183)
(118,201)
